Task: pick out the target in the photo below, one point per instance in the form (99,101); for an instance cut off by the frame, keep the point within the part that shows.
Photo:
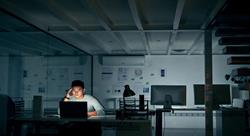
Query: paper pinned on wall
(78,73)
(123,74)
(107,73)
(137,88)
(145,90)
(117,90)
(163,72)
(138,72)
(58,80)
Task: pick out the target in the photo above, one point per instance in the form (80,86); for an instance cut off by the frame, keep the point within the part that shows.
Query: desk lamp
(127,93)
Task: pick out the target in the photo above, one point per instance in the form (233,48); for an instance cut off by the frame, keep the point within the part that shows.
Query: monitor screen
(221,94)
(177,92)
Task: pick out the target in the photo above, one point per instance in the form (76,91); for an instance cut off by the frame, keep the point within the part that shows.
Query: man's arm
(92,113)
(99,110)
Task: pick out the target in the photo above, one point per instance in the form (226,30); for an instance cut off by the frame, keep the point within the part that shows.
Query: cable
(163,132)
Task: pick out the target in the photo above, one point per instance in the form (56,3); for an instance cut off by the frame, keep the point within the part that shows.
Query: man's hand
(67,96)
(93,113)
(69,93)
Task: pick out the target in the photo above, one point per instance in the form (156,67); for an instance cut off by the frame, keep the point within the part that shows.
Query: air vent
(123,60)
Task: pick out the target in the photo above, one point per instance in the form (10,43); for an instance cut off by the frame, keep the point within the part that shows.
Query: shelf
(241,72)
(236,50)
(234,40)
(238,60)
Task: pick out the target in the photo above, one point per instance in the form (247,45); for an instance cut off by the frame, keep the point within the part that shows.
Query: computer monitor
(221,94)
(159,93)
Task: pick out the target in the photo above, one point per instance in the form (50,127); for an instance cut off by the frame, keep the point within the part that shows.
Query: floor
(167,132)
(183,132)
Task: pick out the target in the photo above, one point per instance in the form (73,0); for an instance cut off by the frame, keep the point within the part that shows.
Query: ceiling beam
(56,44)
(11,9)
(9,6)
(105,22)
(137,20)
(178,13)
(96,9)
(177,19)
(120,38)
(92,37)
(25,37)
(211,16)
(14,37)
(135,14)
(7,51)
(39,43)
(195,43)
(57,11)
(146,42)
(119,31)
(213,13)
(19,47)
(172,38)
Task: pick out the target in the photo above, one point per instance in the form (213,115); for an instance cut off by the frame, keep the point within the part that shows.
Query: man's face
(77,92)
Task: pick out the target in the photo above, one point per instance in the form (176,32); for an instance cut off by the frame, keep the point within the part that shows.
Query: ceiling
(110,27)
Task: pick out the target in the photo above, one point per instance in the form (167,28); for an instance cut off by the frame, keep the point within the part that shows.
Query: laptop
(73,109)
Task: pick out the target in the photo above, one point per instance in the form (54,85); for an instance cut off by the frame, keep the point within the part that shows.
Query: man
(77,93)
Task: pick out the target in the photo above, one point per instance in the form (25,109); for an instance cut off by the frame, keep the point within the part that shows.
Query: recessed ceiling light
(179,50)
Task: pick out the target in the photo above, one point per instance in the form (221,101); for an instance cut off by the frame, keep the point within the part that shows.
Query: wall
(179,70)
(50,76)
(11,75)
(15,76)
(4,63)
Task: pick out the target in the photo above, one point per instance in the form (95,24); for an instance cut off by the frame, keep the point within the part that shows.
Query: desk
(123,127)
(158,124)
(230,122)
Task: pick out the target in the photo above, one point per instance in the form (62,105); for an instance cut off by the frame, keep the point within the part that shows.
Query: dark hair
(77,83)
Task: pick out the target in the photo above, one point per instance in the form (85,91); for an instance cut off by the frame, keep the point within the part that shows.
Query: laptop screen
(73,109)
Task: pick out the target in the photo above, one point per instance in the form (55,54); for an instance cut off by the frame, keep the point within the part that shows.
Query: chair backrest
(130,108)
(127,103)
(7,111)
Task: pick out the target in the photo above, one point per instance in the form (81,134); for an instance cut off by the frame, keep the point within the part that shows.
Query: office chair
(7,111)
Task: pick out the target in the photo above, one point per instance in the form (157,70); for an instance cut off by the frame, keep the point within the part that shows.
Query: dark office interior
(134,67)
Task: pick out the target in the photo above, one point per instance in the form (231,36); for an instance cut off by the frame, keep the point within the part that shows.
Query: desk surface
(122,127)
(102,119)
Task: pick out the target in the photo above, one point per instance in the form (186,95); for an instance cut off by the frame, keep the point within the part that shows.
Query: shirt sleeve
(97,106)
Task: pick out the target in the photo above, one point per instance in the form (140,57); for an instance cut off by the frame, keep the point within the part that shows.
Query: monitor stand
(168,102)
(216,107)
(167,106)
